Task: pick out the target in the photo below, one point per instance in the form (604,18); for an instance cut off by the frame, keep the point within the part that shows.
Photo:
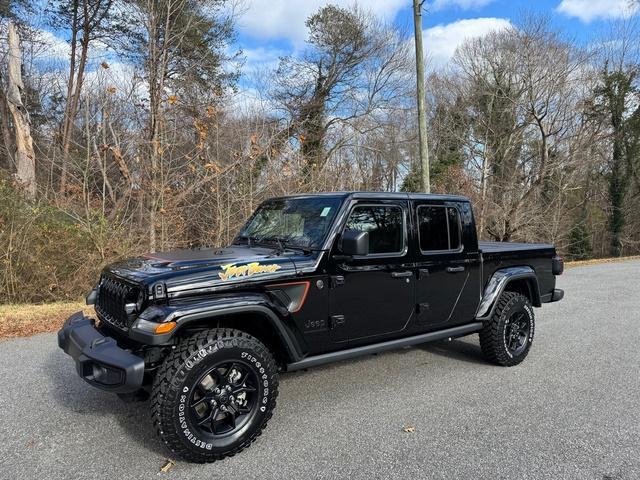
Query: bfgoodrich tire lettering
(191,387)
(507,337)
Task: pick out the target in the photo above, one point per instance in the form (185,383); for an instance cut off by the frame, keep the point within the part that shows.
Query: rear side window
(385,225)
(438,228)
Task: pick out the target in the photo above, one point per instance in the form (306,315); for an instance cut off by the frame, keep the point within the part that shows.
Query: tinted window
(385,225)
(439,228)
(454,228)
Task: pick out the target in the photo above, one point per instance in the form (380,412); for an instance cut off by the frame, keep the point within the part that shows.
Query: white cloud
(441,41)
(284,19)
(262,57)
(249,101)
(461,4)
(119,75)
(47,46)
(589,10)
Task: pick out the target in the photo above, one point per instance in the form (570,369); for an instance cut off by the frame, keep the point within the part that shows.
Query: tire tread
(162,411)
(491,335)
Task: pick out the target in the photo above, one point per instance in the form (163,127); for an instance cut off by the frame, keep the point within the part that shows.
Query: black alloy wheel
(517,332)
(224,398)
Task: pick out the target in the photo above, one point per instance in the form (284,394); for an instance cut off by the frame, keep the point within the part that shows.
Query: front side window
(438,228)
(385,225)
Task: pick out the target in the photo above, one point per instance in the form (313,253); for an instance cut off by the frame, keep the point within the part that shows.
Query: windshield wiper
(283,244)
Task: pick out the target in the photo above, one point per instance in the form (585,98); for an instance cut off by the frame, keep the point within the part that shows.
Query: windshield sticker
(231,271)
(325,211)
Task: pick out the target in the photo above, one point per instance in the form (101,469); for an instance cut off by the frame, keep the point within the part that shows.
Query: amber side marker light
(165,327)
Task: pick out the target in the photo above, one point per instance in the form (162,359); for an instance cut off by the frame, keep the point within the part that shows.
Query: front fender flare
(497,284)
(183,315)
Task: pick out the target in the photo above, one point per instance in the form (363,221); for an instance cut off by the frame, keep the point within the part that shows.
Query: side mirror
(355,242)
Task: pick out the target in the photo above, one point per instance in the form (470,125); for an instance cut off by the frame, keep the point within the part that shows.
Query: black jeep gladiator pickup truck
(309,279)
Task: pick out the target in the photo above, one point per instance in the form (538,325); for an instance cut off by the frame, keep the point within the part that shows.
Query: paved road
(571,411)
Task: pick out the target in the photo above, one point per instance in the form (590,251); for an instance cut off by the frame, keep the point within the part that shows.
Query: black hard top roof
(383,196)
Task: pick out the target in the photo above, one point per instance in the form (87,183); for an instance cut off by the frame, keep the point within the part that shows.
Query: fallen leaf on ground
(409,429)
(167,466)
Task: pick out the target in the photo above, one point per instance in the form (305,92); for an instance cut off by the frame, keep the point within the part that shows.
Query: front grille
(113,295)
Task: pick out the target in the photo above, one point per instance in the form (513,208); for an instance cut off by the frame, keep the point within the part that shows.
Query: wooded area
(138,138)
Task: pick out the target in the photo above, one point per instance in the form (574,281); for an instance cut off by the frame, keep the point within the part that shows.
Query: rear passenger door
(447,274)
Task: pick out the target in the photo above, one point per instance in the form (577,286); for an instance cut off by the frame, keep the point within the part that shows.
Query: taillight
(557,265)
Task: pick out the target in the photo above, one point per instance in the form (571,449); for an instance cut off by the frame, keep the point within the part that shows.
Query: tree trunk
(25,156)
(617,188)
(67,118)
(6,129)
(157,68)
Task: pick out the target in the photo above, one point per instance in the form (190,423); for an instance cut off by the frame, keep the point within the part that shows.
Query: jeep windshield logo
(232,271)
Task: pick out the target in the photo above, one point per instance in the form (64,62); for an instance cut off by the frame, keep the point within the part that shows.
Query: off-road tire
(179,375)
(494,336)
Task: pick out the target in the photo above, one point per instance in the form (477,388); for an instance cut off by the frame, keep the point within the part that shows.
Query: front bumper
(99,359)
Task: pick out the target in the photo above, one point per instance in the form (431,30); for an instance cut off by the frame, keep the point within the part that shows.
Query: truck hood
(198,268)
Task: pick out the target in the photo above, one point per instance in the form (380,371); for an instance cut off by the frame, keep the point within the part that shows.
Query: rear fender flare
(498,283)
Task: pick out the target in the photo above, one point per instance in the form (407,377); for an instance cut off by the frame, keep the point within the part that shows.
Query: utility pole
(422,114)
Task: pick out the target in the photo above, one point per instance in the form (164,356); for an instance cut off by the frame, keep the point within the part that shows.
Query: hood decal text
(231,271)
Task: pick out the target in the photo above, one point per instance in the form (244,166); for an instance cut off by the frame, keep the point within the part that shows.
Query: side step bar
(316,360)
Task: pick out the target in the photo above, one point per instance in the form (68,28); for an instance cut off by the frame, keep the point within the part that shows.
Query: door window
(385,225)
(438,228)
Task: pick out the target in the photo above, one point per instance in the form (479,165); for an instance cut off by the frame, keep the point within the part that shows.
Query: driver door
(372,296)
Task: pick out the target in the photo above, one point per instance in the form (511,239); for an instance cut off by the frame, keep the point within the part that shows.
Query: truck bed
(506,247)
(505,254)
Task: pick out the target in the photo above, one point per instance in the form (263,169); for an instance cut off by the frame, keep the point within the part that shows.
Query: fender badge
(231,271)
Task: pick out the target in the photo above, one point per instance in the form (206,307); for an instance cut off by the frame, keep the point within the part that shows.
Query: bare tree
(182,47)
(617,101)
(524,87)
(25,157)
(355,67)
(87,21)
(166,150)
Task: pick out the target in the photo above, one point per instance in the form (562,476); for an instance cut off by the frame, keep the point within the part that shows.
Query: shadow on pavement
(456,349)
(72,393)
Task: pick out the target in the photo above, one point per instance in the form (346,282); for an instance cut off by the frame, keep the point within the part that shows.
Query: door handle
(405,274)
(455,269)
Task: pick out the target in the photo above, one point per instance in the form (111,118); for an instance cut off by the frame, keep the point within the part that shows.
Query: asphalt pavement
(570,411)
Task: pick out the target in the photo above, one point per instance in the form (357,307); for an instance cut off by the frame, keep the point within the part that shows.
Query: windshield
(295,222)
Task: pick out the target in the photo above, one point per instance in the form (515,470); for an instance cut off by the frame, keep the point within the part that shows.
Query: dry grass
(596,261)
(25,319)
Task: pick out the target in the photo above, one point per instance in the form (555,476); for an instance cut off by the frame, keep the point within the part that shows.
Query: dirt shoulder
(597,261)
(24,320)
